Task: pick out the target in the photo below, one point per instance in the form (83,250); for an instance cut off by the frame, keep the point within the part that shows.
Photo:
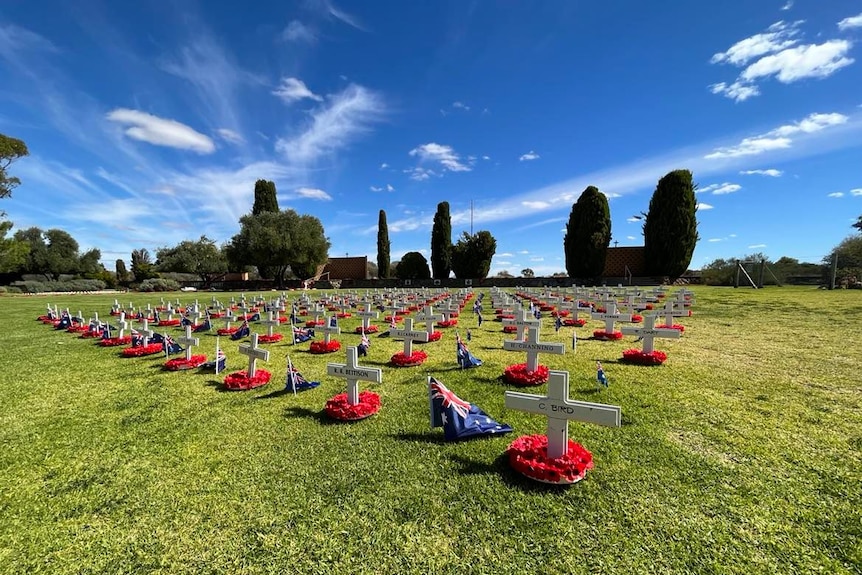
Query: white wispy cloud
(779,138)
(444,155)
(390,188)
(850,22)
(384,165)
(419,174)
(787,6)
(529,156)
(296,31)
(702,207)
(334,125)
(756,246)
(633,219)
(341,15)
(312,194)
(292,90)
(505,255)
(712,240)
(631,238)
(160,131)
(535,205)
(777,53)
(230,136)
(835,195)
(771,172)
(721,189)
(461,106)
(856,192)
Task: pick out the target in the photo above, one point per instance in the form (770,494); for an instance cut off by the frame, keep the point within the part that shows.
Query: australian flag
(243,331)
(465,358)
(458,418)
(364,344)
(170,346)
(295,382)
(204,326)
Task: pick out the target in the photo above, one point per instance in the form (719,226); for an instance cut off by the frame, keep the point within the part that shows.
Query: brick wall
(346,268)
(619,258)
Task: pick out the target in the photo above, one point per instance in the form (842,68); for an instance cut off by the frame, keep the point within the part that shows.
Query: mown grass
(740,455)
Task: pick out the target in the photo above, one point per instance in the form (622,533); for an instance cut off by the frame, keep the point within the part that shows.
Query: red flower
(227,331)
(78,328)
(518,375)
(434,336)
(448,323)
(637,318)
(389,318)
(338,408)
(168,322)
(641,358)
(181,363)
(142,350)
(603,335)
(370,329)
(240,381)
(416,358)
(502,316)
(315,322)
(216,314)
(269,338)
(510,328)
(115,341)
(560,313)
(89,333)
(323,347)
(546,307)
(342,315)
(529,455)
(676,326)
(569,322)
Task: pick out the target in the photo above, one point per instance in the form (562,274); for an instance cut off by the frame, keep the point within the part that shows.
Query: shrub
(158,284)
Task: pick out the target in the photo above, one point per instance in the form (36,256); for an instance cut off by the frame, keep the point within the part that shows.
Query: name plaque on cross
(353,373)
(408,335)
(254,353)
(649,332)
(188,341)
(533,347)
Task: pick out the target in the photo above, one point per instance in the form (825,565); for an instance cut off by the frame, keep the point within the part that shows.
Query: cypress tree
(441,242)
(588,234)
(382,246)
(670,230)
(265,198)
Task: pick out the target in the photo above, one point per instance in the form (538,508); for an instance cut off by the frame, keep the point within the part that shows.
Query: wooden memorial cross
(146,331)
(408,335)
(522,322)
(188,341)
(122,324)
(328,329)
(559,410)
(649,332)
(354,373)
(271,323)
(429,317)
(366,313)
(533,347)
(254,353)
(671,310)
(611,315)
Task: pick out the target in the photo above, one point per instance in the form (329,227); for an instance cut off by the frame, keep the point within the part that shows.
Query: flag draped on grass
(295,382)
(465,358)
(458,418)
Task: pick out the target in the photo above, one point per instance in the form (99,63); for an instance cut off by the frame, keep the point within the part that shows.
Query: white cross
(533,347)
(254,353)
(649,332)
(353,373)
(188,341)
(522,322)
(228,318)
(429,317)
(318,311)
(671,311)
(449,310)
(611,316)
(559,410)
(366,314)
(123,324)
(408,335)
(328,330)
(146,331)
(270,324)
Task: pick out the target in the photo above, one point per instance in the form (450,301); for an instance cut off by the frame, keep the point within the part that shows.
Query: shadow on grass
(434,438)
(319,416)
(500,467)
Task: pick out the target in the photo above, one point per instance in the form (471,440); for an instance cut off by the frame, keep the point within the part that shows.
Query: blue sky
(149,122)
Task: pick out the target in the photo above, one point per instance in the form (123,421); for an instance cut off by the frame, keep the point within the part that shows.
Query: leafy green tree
(122,273)
(13,252)
(37,251)
(51,254)
(670,230)
(849,253)
(858,224)
(265,197)
(528,273)
(142,265)
(413,266)
(202,258)
(370,270)
(279,241)
(504,274)
(10,150)
(383,267)
(441,242)
(90,264)
(472,255)
(588,235)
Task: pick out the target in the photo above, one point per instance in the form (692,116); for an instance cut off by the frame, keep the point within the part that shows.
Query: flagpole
(216,356)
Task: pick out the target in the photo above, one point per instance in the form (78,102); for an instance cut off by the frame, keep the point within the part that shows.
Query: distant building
(620,258)
(347,268)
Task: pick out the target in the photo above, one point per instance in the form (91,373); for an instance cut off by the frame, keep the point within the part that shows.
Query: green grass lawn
(742,454)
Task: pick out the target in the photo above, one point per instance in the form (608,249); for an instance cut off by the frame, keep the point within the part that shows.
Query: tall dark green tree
(142,265)
(441,242)
(670,230)
(472,255)
(588,235)
(121,272)
(10,150)
(265,197)
(383,269)
(413,266)
(858,224)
